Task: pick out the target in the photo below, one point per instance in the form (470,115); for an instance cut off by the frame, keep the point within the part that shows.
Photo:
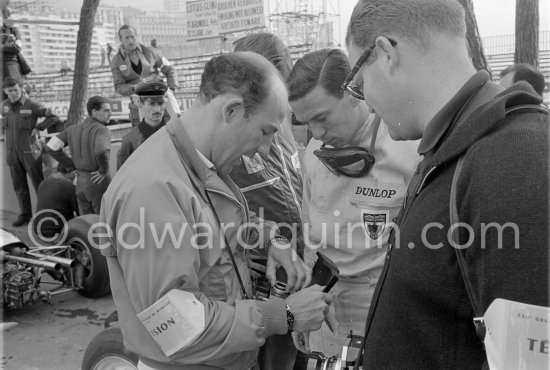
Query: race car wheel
(106,351)
(91,274)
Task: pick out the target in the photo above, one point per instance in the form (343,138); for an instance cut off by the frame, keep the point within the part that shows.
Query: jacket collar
(205,179)
(484,116)
(440,123)
(147,130)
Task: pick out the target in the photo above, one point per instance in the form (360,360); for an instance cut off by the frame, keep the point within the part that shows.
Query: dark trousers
(89,194)
(22,164)
(279,353)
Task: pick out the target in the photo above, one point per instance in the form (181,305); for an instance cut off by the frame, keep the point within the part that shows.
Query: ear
(387,51)
(233,110)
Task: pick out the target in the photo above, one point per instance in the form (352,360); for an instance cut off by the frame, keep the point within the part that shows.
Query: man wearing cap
(90,145)
(152,103)
(347,210)
(135,63)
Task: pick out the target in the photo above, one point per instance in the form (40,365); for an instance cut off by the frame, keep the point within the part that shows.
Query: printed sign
(240,15)
(517,335)
(202,19)
(174,321)
(208,18)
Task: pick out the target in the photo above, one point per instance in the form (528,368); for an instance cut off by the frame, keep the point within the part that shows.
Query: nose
(317,132)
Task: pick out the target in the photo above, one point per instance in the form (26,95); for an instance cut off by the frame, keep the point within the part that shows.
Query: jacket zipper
(384,273)
(287,175)
(260,184)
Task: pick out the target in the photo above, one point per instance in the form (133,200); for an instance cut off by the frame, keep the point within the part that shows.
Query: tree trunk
(82,62)
(475,48)
(527,32)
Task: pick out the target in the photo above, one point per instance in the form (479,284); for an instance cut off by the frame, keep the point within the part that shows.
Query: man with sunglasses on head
(484,174)
(355,177)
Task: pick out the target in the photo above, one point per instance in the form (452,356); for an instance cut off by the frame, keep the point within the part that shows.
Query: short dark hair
(270,47)
(243,73)
(95,103)
(528,73)
(326,67)
(410,19)
(11,81)
(126,27)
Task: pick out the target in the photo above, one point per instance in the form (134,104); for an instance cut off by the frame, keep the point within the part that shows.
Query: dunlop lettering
(375,193)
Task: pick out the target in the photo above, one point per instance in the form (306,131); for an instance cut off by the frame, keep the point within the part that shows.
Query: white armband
(55,143)
(174,321)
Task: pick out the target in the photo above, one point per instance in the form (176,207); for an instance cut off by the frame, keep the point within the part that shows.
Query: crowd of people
(425,184)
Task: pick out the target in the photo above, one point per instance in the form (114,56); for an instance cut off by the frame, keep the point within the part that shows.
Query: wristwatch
(279,239)
(289,319)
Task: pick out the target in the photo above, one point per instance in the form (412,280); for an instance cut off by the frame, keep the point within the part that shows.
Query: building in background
(175,6)
(33,7)
(49,41)
(168,28)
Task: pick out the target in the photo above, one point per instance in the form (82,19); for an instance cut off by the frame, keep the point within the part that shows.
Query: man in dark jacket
(272,187)
(412,67)
(19,120)
(90,145)
(135,63)
(152,103)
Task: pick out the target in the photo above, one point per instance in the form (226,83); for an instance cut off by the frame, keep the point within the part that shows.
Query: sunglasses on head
(350,161)
(348,85)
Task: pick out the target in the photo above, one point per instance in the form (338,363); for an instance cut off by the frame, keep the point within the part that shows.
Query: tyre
(91,274)
(106,351)
(111,320)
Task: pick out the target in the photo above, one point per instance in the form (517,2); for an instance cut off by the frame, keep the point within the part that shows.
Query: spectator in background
(64,68)
(13,63)
(135,63)
(523,72)
(56,197)
(272,186)
(110,51)
(90,146)
(19,120)
(152,103)
(154,47)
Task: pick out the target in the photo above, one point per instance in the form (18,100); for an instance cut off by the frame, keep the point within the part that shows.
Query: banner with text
(208,18)
(202,19)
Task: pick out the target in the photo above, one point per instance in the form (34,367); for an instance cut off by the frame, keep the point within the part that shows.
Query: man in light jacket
(176,223)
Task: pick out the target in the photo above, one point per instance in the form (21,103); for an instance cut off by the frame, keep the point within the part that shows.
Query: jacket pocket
(27,122)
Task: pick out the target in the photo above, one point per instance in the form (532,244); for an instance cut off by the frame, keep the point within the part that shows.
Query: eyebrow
(318,115)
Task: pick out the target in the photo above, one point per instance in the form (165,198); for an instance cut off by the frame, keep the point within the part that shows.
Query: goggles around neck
(352,161)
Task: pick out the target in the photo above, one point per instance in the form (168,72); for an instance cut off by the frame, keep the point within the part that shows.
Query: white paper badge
(55,143)
(517,336)
(174,321)
(295,161)
(254,164)
(123,67)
